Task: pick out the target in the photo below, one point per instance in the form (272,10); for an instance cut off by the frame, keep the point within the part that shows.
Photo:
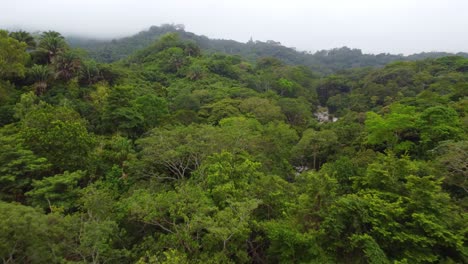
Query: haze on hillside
(396,26)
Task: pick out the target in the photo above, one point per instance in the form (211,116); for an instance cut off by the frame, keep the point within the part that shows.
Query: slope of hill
(324,61)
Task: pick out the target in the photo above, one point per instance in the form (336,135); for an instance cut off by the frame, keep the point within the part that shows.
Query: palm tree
(53,34)
(52,43)
(67,64)
(40,74)
(89,72)
(192,49)
(23,36)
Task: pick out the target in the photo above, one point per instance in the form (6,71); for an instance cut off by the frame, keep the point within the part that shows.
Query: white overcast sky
(395,26)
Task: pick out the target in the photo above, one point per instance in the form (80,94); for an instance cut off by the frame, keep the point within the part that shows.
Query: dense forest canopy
(191,150)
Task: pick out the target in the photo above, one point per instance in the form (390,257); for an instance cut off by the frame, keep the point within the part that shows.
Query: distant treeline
(324,61)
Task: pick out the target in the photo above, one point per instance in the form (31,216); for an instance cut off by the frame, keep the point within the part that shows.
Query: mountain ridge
(323,61)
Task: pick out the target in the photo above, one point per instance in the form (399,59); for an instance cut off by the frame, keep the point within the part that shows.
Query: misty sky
(395,26)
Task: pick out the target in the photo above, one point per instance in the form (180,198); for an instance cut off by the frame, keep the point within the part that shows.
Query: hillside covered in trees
(323,61)
(180,152)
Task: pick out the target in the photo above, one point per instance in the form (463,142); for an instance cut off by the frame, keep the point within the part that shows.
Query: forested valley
(172,151)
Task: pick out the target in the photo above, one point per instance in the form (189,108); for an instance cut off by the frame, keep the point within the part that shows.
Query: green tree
(89,72)
(41,76)
(152,108)
(8,96)
(276,143)
(437,124)
(97,233)
(52,43)
(177,151)
(23,235)
(218,110)
(229,230)
(119,114)
(298,111)
(395,216)
(397,130)
(285,87)
(19,165)
(59,191)
(58,134)
(314,147)
(67,65)
(181,216)
(452,158)
(196,71)
(13,56)
(23,36)
(263,110)
(172,59)
(227,177)
(287,242)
